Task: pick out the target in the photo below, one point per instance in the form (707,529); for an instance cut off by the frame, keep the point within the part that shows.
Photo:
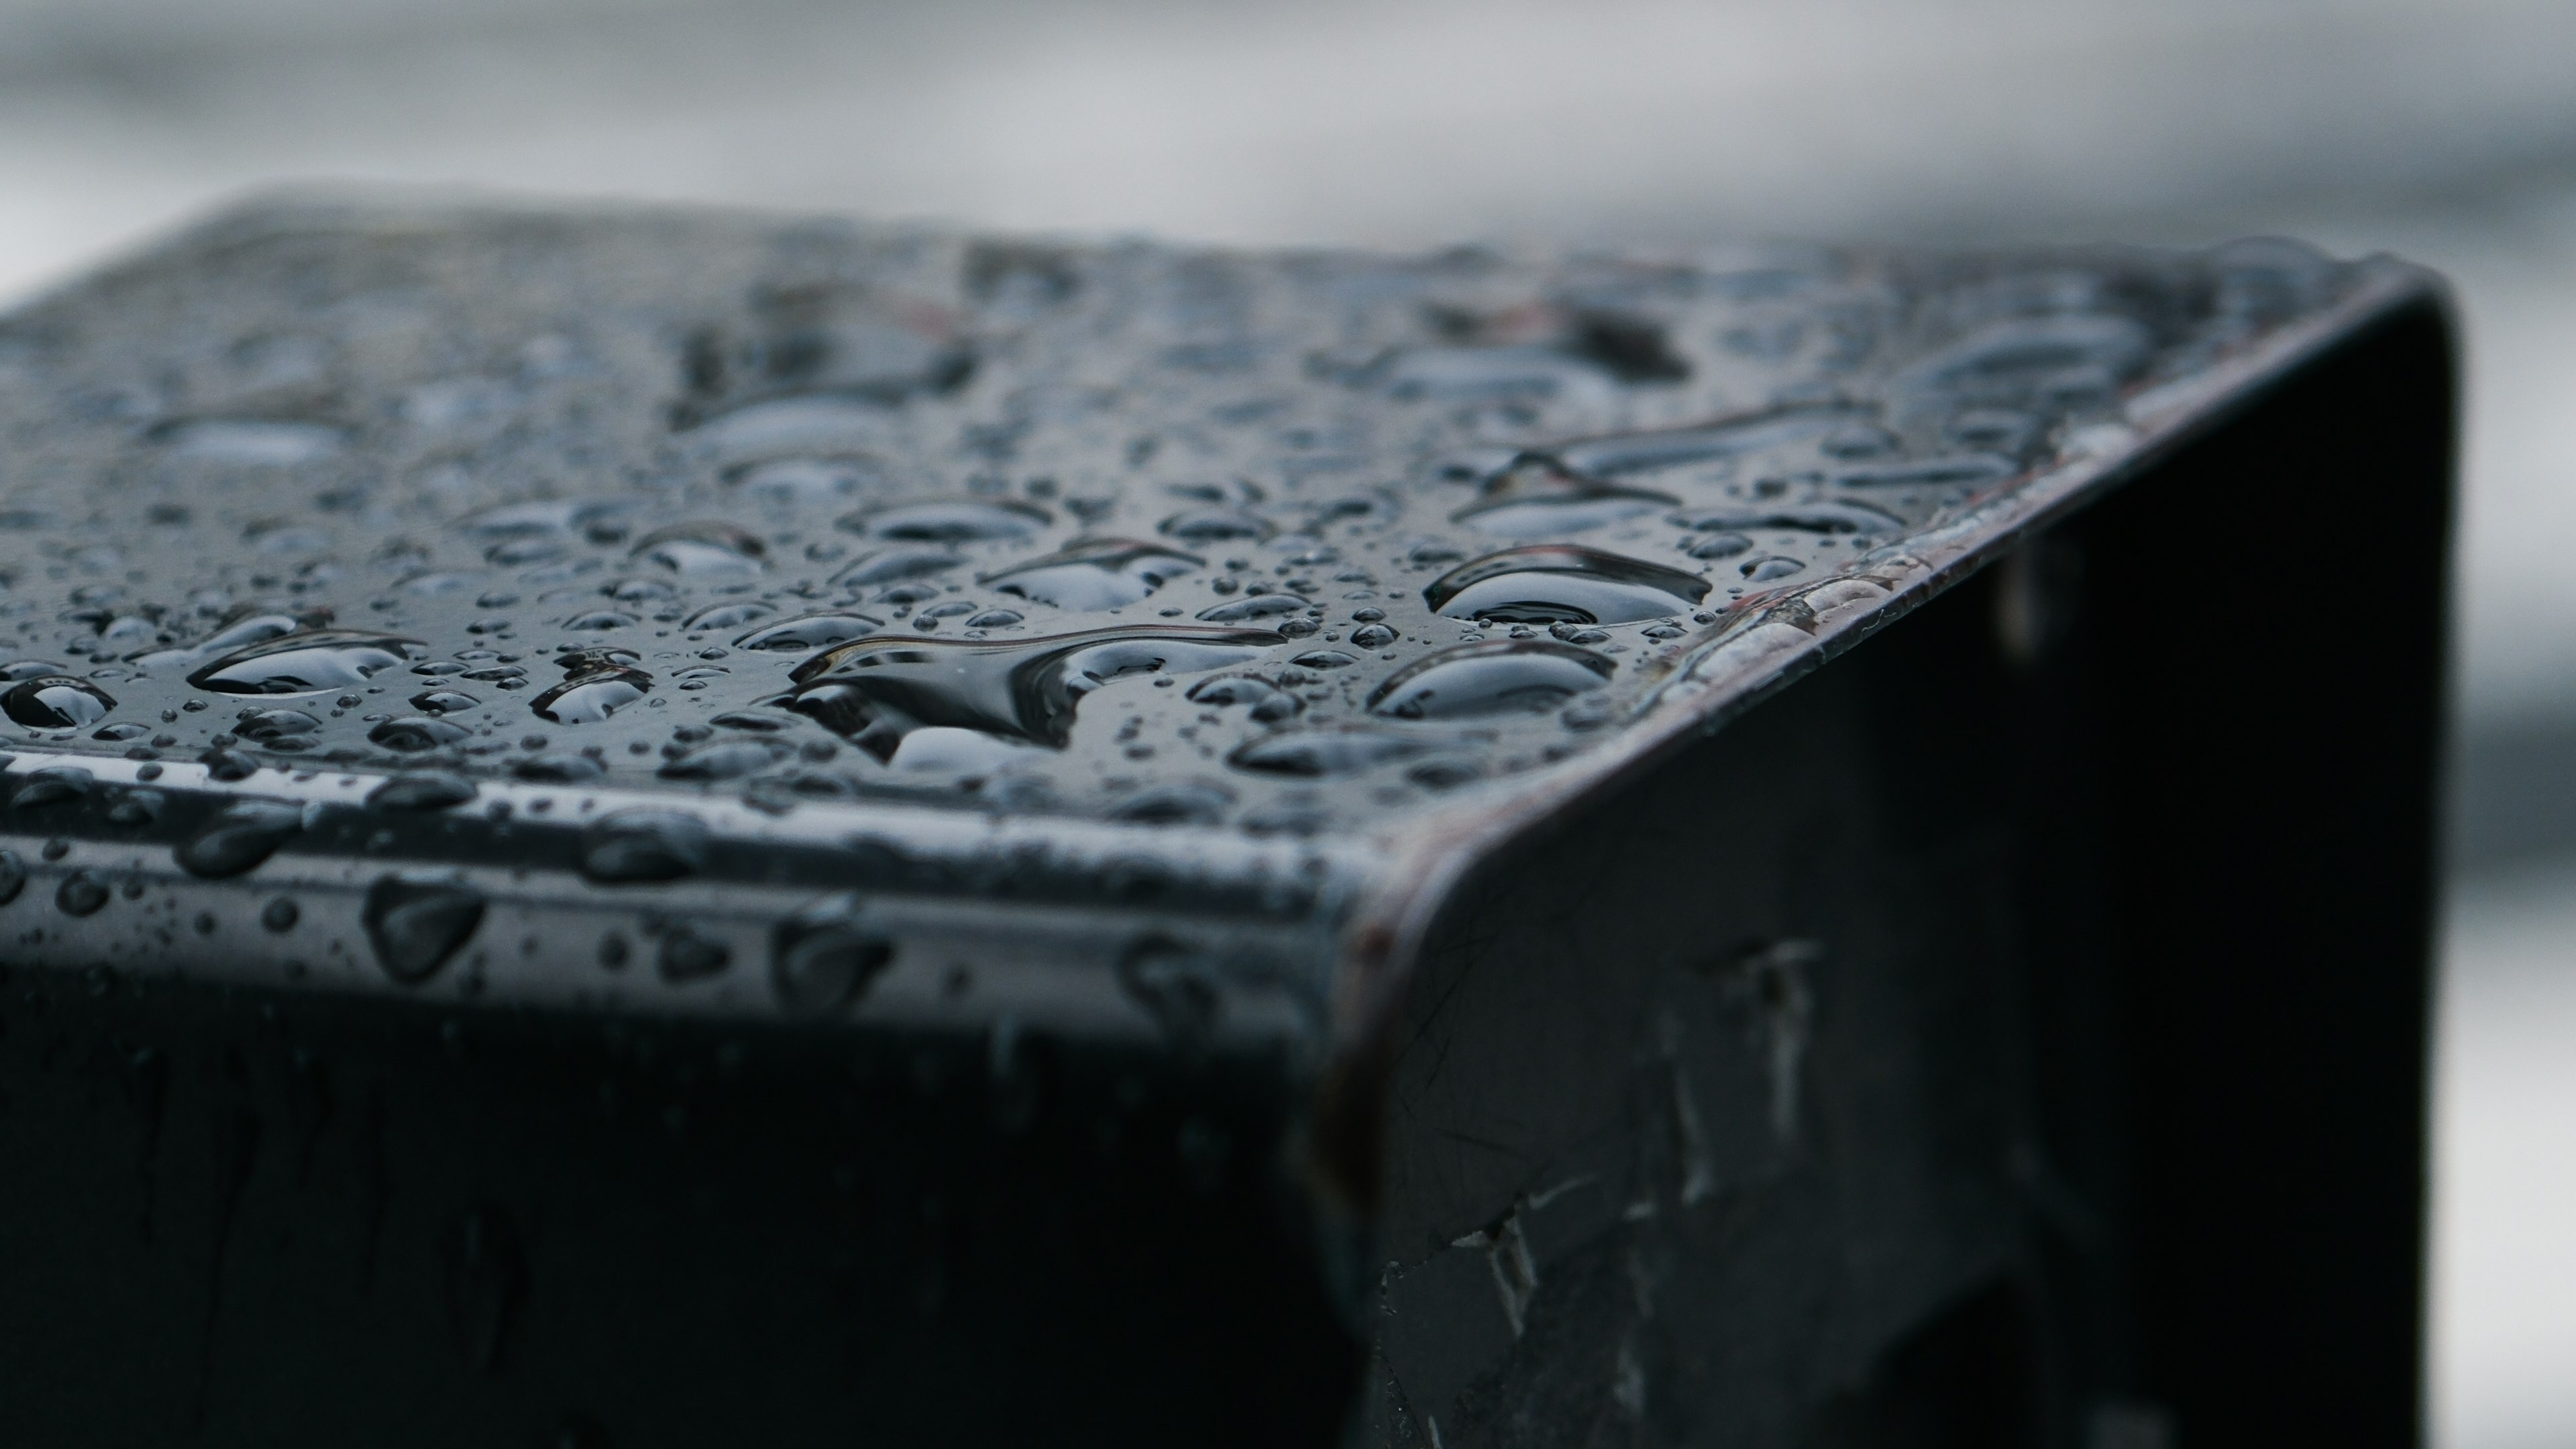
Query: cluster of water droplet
(827,513)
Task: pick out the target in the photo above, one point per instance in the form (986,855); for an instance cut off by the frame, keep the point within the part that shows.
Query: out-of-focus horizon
(2445,132)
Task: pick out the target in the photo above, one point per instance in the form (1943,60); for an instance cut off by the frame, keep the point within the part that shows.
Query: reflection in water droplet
(239,838)
(731,615)
(307,661)
(1216,525)
(414,926)
(876,690)
(1562,583)
(643,845)
(704,549)
(810,631)
(412,734)
(56,702)
(822,957)
(1764,570)
(82,893)
(422,790)
(1497,677)
(444,701)
(1099,573)
(946,520)
(591,698)
(1538,497)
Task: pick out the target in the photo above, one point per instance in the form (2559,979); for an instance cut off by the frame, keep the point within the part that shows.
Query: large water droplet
(414,926)
(412,734)
(893,565)
(1537,497)
(82,893)
(56,702)
(1503,676)
(1714,441)
(822,957)
(251,442)
(307,661)
(876,690)
(239,838)
(643,845)
(1818,517)
(53,785)
(1099,573)
(544,517)
(1217,525)
(422,790)
(706,549)
(947,520)
(809,632)
(1563,583)
(591,697)
(1318,753)
(267,726)
(1257,606)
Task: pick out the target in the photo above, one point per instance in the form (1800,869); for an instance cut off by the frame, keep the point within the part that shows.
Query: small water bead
(444,701)
(822,958)
(1321,659)
(687,956)
(1373,636)
(24,669)
(999,619)
(413,734)
(601,621)
(947,521)
(1764,569)
(809,632)
(549,517)
(120,733)
(1497,677)
(280,915)
(875,691)
(307,661)
(1827,516)
(1718,546)
(801,480)
(414,926)
(56,702)
(1269,702)
(13,875)
(892,565)
(557,769)
(239,838)
(1099,573)
(1552,583)
(592,696)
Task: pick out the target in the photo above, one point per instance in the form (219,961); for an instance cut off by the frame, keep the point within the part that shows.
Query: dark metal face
(802,521)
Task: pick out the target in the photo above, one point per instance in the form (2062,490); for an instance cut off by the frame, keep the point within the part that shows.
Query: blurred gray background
(2445,132)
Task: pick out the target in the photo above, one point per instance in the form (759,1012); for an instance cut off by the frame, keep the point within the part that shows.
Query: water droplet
(892,565)
(1538,497)
(268,725)
(82,893)
(1319,753)
(1705,443)
(1256,606)
(1552,583)
(1818,517)
(544,517)
(1373,636)
(1958,470)
(723,760)
(1496,677)
(688,956)
(239,837)
(809,632)
(706,549)
(1175,985)
(1764,570)
(795,480)
(947,520)
(307,661)
(1719,545)
(412,734)
(592,697)
(52,785)
(414,926)
(1099,573)
(422,790)
(876,690)
(824,956)
(1324,659)
(643,845)
(13,875)
(280,915)
(250,442)
(1182,803)
(551,769)
(1216,525)
(56,702)
(443,701)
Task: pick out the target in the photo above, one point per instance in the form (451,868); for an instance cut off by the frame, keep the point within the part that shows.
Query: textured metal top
(1277,565)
